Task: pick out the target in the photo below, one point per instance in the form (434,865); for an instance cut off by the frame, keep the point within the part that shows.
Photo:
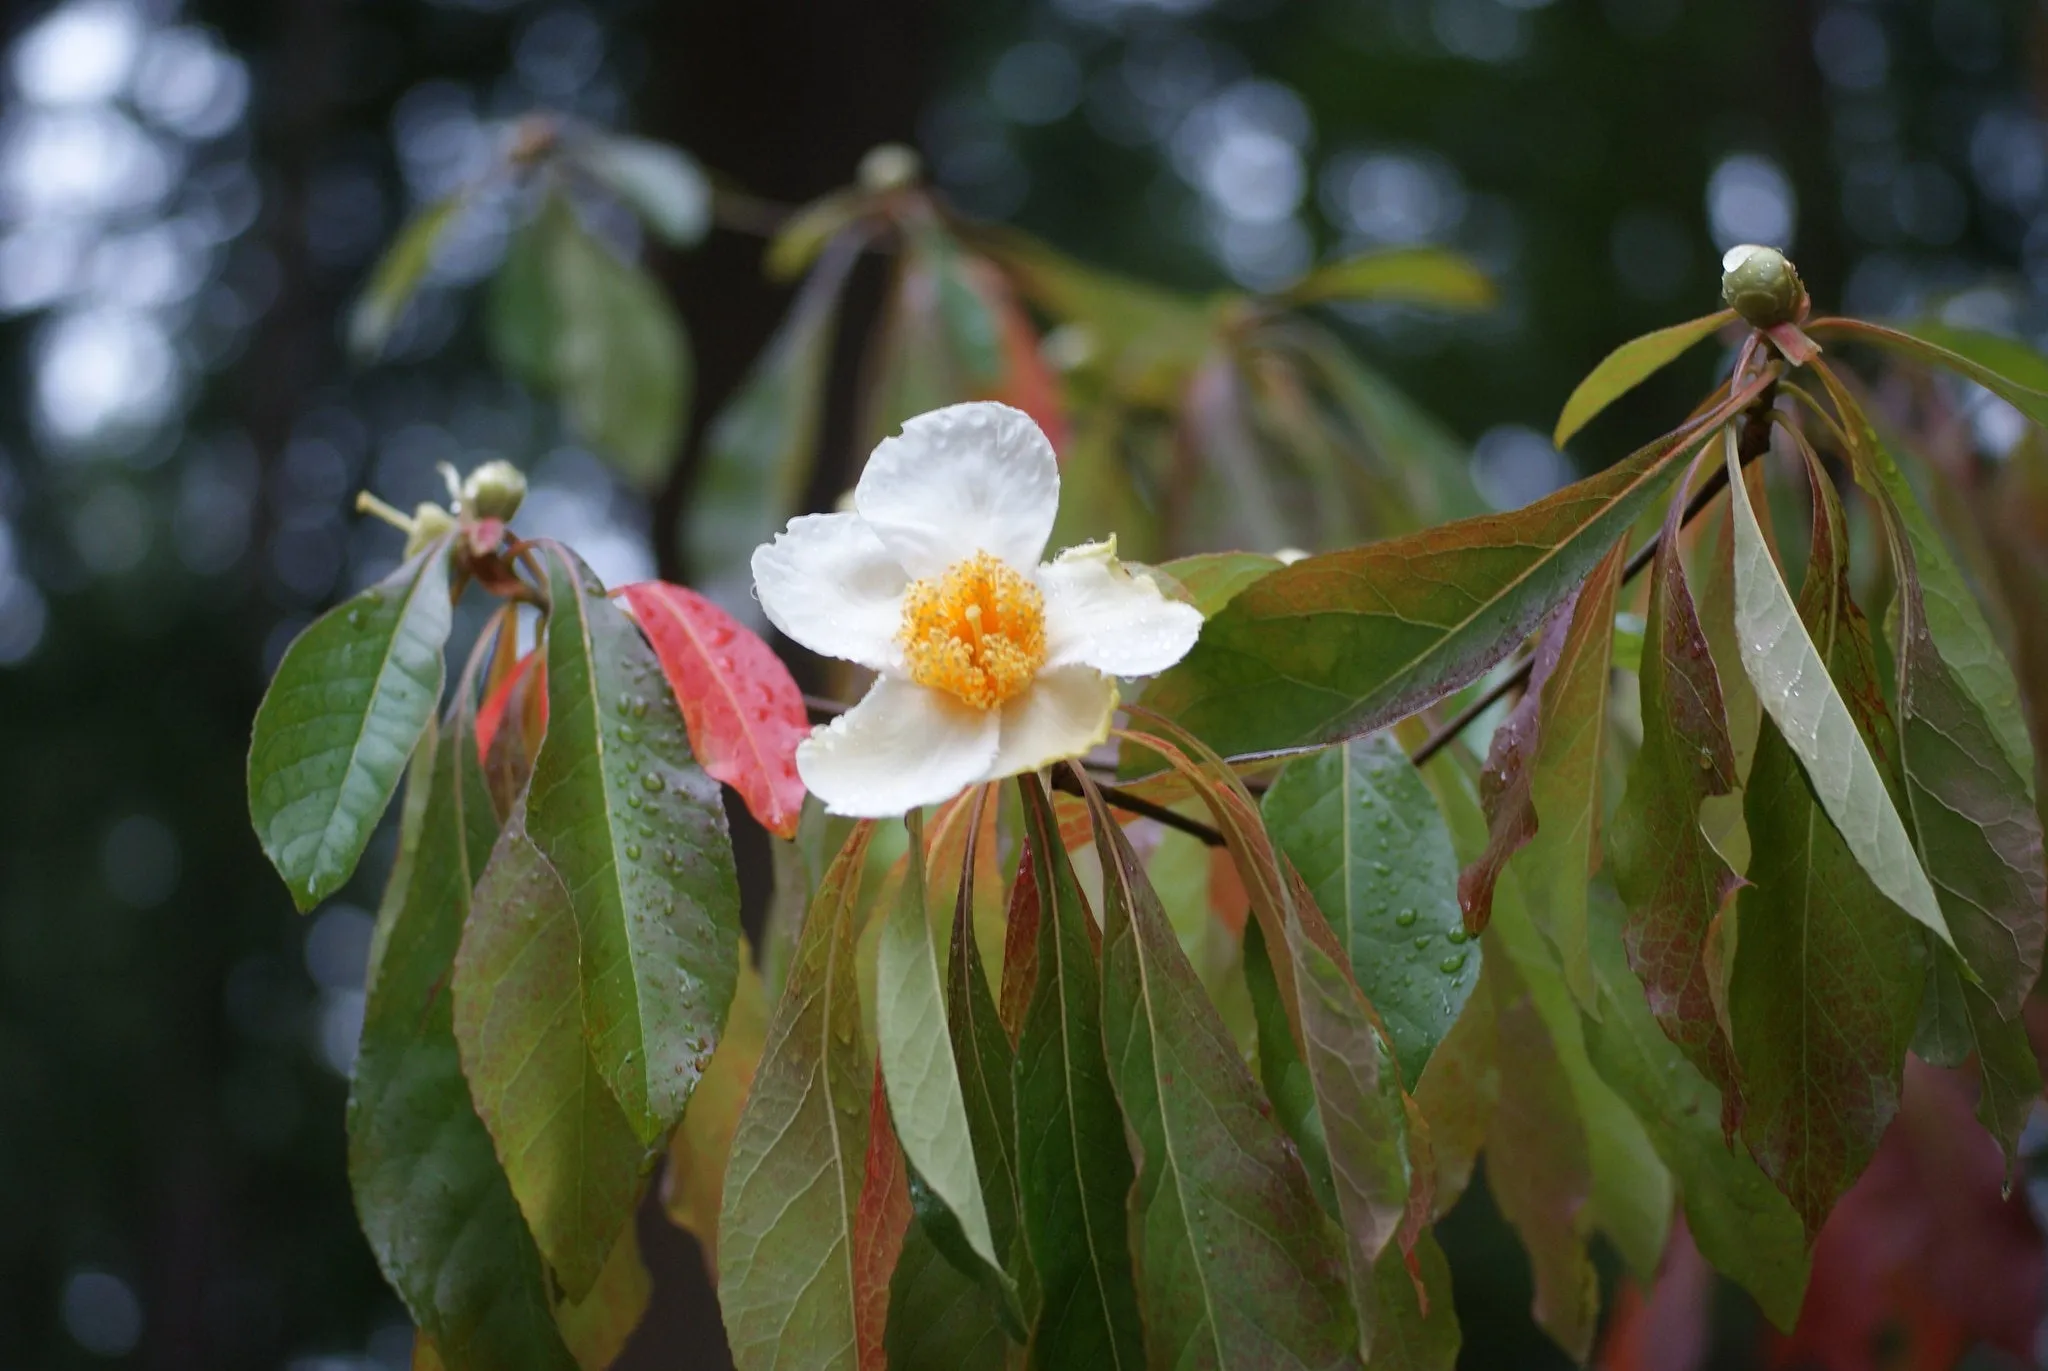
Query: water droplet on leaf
(1452,964)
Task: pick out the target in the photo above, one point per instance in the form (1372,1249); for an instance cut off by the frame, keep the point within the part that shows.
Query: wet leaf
(694,1182)
(1628,366)
(351,697)
(1416,276)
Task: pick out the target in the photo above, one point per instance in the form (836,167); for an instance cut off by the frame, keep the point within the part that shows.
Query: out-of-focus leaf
(741,706)
(799,241)
(1213,579)
(1418,276)
(661,184)
(880,1224)
(398,275)
(459,1252)
(597,1326)
(568,1150)
(1361,828)
(1827,977)
(694,1182)
(1743,1225)
(1791,676)
(637,832)
(1233,1253)
(1672,880)
(758,452)
(786,1282)
(351,697)
(1336,646)
(2006,367)
(519,318)
(1628,366)
(1073,1170)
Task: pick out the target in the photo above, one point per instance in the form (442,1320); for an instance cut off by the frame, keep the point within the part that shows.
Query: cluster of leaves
(1198,1059)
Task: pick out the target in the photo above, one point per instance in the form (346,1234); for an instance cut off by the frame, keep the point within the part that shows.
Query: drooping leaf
(1213,579)
(457,1251)
(1336,646)
(597,1326)
(1409,1336)
(1790,672)
(1628,366)
(1418,276)
(741,706)
(568,1150)
(1671,879)
(1020,945)
(1457,1094)
(1073,1170)
(1238,1265)
(1504,781)
(637,832)
(2009,369)
(694,1182)
(987,1076)
(398,276)
(939,1318)
(662,185)
(1957,1022)
(1361,828)
(786,1283)
(351,697)
(879,1227)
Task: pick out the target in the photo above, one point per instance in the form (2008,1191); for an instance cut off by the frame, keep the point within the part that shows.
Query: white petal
(901,747)
(828,583)
(1064,713)
(1100,614)
(960,480)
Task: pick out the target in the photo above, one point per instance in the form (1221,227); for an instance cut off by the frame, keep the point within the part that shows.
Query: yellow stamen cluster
(977,632)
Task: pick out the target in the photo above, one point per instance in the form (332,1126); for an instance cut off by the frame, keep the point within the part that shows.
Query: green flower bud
(429,521)
(1762,286)
(891,166)
(493,491)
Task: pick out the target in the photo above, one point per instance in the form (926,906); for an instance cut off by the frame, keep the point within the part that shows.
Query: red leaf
(742,708)
(1020,946)
(1028,383)
(1670,1328)
(878,1228)
(492,713)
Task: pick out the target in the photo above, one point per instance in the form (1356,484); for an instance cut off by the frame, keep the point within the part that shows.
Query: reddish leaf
(878,1227)
(1028,383)
(1020,946)
(742,708)
(521,696)
(1669,1327)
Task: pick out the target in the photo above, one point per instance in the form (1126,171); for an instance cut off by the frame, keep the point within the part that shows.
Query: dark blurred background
(190,194)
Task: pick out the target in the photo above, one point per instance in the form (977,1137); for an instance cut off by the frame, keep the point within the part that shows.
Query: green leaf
(1791,677)
(398,275)
(799,1156)
(520,319)
(457,1250)
(694,1181)
(918,1065)
(1073,1170)
(637,832)
(939,1318)
(804,235)
(1827,977)
(759,450)
(1362,829)
(598,1326)
(351,697)
(2006,367)
(1673,882)
(1407,1336)
(2009,1074)
(1628,366)
(1213,579)
(987,1076)
(1237,1264)
(1281,1070)
(662,185)
(568,1150)
(1336,646)
(1419,276)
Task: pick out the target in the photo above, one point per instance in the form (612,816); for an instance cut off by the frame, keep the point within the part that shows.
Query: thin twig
(1064,779)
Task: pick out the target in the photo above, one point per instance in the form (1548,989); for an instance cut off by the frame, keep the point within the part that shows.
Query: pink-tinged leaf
(742,708)
(515,685)
(878,1227)
(1797,348)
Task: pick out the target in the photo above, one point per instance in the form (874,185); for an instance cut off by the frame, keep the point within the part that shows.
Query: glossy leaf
(694,1182)
(1213,579)
(1237,1265)
(1628,366)
(398,276)
(637,832)
(1416,276)
(351,697)
(1073,1171)
(662,185)
(1362,829)
(568,1150)
(741,706)
(457,1250)
(786,1283)
(2009,369)
(1336,646)
(1790,673)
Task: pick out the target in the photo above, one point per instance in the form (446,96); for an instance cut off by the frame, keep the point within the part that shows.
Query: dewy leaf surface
(1628,366)
(434,1204)
(1336,646)
(694,1181)
(1074,1171)
(637,832)
(1781,658)
(1237,1265)
(351,697)
(799,1156)
(1364,832)
(569,1152)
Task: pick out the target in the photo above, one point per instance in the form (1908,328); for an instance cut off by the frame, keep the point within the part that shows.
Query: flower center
(977,632)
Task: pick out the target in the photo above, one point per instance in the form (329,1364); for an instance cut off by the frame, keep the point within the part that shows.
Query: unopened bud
(429,521)
(891,166)
(1762,286)
(493,491)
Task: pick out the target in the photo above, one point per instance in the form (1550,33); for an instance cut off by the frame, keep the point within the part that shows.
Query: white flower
(989,662)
